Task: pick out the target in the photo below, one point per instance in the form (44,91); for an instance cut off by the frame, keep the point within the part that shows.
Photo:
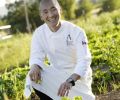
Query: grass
(14,52)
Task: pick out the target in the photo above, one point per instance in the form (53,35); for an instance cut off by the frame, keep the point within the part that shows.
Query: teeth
(52,20)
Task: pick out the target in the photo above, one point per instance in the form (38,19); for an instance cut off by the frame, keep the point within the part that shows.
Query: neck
(55,28)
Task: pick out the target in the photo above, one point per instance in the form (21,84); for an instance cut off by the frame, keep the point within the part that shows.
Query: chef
(66,47)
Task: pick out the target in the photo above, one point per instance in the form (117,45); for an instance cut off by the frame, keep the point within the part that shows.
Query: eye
(45,12)
(53,9)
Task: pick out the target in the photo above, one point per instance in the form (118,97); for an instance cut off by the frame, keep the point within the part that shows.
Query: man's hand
(66,86)
(34,73)
(64,89)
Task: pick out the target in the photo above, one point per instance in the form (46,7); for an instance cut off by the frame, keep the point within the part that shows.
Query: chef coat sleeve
(83,54)
(37,54)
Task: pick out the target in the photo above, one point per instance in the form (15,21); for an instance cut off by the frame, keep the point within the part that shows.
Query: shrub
(14,52)
(12,84)
(110,5)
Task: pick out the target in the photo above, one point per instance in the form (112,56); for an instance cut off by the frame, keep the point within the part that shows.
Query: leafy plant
(12,83)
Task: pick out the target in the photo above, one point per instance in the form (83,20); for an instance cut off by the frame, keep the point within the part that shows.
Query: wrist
(37,66)
(71,81)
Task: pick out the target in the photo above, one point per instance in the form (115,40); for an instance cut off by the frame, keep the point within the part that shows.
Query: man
(66,46)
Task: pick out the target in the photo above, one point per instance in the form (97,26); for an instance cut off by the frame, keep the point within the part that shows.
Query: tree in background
(110,5)
(68,8)
(2,23)
(34,16)
(84,6)
(16,16)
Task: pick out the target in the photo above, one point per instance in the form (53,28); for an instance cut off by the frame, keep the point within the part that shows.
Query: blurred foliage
(110,5)
(12,84)
(14,52)
(104,43)
(84,6)
(68,8)
(16,16)
(2,23)
(71,9)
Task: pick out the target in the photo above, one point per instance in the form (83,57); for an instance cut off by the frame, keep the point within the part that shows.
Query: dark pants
(42,96)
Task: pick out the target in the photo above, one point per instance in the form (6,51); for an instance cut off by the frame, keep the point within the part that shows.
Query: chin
(53,24)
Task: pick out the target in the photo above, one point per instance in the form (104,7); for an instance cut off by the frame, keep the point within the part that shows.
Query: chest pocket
(64,44)
(59,43)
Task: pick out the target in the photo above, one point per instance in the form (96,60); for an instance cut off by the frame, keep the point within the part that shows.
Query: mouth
(52,20)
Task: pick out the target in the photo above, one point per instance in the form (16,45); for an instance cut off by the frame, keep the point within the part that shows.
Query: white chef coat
(68,53)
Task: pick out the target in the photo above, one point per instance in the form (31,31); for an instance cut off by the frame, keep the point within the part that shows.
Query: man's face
(50,14)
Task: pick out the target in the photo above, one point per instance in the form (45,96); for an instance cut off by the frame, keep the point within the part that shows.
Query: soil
(114,95)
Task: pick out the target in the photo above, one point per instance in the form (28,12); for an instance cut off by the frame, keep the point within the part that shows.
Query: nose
(50,14)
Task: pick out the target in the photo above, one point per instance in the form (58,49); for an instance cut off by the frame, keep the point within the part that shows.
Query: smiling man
(66,47)
(50,14)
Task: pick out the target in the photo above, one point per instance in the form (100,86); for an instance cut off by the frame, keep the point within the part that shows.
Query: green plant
(14,52)
(110,5)
(12,83)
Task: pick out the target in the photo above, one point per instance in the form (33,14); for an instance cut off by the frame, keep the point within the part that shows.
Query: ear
(60,10)
(41,17)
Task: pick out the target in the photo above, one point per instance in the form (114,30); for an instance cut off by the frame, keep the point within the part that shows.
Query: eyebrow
(50,8)
(44,10)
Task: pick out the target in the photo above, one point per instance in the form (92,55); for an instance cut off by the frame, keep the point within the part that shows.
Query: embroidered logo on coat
(69,40)
(84,43)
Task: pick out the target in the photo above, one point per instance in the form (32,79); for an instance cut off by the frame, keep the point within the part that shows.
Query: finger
(67,92)
(65,89)
(38,79)
(34,76)
(60,89)
(63,92)
(31,76)
(39,76)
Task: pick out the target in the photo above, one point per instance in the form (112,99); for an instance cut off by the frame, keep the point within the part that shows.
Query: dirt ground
(114,95)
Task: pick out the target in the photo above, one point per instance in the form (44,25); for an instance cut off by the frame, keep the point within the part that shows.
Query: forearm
(35,65)
(74,76)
